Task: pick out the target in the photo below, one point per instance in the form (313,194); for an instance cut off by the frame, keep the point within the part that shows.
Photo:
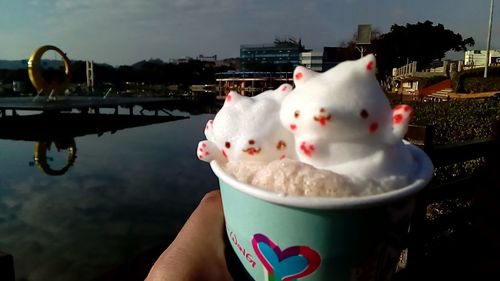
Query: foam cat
(248,128)
(343,122)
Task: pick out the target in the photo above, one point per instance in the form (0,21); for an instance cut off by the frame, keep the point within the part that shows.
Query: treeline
(152,72)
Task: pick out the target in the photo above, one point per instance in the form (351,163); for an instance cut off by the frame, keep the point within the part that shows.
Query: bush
(458,121)
(476,84)
(458,82)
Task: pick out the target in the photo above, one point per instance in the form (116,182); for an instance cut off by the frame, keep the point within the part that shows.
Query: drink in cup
(316,181)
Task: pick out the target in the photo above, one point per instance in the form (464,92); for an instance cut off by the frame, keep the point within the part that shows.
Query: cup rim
(421,179)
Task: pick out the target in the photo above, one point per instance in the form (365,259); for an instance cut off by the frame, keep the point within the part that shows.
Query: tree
(421,42)
(290,41)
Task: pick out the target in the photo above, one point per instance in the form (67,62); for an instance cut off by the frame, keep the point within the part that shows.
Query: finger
(197,252)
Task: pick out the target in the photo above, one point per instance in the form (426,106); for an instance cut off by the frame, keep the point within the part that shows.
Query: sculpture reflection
(58,131)
(42,161)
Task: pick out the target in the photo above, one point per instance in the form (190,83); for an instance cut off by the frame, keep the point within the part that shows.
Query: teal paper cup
(288,238)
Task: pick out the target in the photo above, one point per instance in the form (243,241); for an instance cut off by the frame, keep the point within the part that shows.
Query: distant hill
(141,64)
(20,64)
(23,64)
(13,64)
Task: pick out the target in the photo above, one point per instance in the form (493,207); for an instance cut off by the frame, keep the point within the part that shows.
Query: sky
(122,32)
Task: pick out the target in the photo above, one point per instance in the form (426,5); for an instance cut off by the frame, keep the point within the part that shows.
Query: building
(249,83)
(477,58)
(312,60)
(203,58)
(282,53)
(181,60)
(231,63)
(209,60)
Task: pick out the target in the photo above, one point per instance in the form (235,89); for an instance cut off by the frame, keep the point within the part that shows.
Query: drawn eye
(364,114)
(281,145)
(296,114)
(227,144)
(251,142)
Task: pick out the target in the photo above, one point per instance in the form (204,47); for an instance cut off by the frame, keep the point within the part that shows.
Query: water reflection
(110,215)
(60,129)
(42,161)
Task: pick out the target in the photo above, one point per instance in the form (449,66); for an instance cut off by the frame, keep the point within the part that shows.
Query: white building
(181,60)
(477,58)
(312,60)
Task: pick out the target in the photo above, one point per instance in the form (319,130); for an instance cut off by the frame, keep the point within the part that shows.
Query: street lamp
(363,37)
(488,42)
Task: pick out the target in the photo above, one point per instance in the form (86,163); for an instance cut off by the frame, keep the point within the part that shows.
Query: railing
(420,264)
(406,70)
(410,70)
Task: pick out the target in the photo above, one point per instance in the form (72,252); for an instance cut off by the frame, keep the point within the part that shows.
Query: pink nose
(323,119)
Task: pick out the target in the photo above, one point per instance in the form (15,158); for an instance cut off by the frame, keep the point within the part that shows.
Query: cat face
(249,128)
(343,104)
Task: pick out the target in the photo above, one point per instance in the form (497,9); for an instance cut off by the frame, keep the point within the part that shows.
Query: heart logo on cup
(290,264)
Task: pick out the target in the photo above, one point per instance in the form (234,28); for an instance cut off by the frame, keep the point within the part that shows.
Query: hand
(197,253)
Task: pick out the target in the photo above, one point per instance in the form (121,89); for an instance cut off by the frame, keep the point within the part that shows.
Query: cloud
(167,29)
(35,3)
(137,29)
(145,7)
(125,31)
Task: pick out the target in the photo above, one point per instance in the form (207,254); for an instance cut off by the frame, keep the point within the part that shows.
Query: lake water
(115,209)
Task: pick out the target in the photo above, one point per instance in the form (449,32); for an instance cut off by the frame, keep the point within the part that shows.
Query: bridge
(84,104)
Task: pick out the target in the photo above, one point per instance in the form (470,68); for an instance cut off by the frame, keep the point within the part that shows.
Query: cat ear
(232,97)
(284,88)
(302,74)
(369,63)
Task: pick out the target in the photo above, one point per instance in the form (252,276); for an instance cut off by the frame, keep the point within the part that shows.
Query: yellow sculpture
(42,86)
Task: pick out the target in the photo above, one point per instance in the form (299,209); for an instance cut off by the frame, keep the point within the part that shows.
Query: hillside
(23,64)
(13,64)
